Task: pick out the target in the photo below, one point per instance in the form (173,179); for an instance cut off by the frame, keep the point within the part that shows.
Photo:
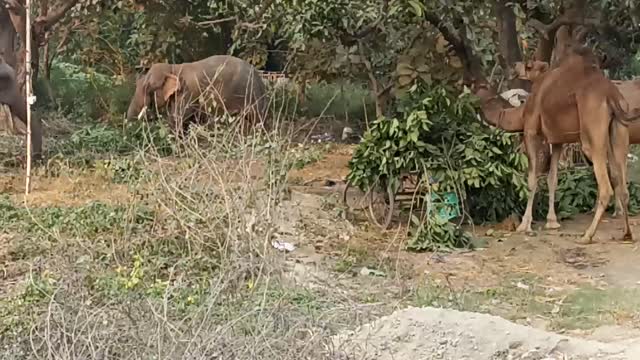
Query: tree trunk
(7,38)
(7,48)
(509,44)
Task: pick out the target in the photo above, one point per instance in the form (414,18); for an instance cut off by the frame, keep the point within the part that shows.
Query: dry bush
(197,279)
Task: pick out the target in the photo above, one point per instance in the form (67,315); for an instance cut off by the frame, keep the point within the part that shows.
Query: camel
(630,90)
(575,102)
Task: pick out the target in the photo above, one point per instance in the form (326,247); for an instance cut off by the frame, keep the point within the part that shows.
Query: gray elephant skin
(11,96)
(190,91)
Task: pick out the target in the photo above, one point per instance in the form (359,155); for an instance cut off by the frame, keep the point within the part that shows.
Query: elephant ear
(170,86)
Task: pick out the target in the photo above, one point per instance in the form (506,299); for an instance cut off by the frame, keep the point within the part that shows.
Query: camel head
(530,70)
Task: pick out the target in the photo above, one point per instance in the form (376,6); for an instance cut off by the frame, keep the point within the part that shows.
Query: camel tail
(612,136)
(616,105)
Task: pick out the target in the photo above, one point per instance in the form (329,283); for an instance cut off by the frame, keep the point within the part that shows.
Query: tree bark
(7,38)
(510,52)
(41,25)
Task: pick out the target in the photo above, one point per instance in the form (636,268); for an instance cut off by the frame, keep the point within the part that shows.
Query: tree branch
(372,79)
(454,41)
(563,20)
(46,22)
(17,14)
(259,14)
(472,64)
(348,39)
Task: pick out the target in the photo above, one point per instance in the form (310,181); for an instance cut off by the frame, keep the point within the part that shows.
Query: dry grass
(174,263)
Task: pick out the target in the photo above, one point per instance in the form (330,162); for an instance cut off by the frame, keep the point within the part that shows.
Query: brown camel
(497,112)
(575,102)
(630,90)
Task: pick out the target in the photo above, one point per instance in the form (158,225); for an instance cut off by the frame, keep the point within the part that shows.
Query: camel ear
(543,66)
(170,86)
(519,69)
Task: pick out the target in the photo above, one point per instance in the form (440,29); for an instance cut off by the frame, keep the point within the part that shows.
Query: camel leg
(618,164)
(595,137)
(604,194)
(613,176)
(532,142)
(552,181)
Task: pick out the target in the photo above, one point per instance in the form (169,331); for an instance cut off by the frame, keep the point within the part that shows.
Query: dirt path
(430,333)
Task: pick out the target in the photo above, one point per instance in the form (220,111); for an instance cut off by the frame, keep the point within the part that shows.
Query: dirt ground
(524,278)
(552,255)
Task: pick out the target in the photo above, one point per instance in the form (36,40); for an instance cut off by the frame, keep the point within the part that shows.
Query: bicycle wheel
(353,201)
(381,206)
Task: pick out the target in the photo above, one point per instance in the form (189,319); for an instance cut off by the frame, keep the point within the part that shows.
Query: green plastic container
(445,204)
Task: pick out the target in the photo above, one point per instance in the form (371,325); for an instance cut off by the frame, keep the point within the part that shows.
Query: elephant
(187,91)
(11,96)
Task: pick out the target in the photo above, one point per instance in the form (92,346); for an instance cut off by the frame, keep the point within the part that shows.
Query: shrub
(577,193)
(84,93)
(340,100)
(107,139)
(439,136)
(345,101)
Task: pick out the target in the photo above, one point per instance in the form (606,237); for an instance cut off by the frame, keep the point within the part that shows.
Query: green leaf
(417,7)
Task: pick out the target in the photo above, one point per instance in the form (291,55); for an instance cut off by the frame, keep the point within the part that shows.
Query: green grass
(587,308)
(583,308)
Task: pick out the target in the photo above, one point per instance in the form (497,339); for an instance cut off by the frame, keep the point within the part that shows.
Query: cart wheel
(349,202)
(345,203)
(381,205)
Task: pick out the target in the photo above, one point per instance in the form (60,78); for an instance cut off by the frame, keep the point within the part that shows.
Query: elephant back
(236,82)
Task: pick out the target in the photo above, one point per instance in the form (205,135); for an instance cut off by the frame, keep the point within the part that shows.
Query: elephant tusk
(142,113)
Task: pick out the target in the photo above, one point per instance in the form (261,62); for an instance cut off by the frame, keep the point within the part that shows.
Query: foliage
(439,135)
(83,93)
(339,100)
(107,139)
(437,234)
(86,221)
(577,193)
(631,70)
